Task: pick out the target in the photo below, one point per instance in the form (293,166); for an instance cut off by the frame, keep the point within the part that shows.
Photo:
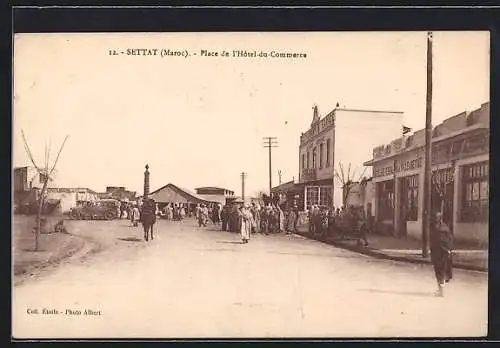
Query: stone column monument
(146,182)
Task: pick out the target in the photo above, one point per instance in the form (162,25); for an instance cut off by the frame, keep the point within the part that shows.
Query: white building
(71,197)
(345,136)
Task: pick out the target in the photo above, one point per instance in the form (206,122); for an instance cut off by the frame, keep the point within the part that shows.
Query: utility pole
(426,218)
(270,142)
(243,176)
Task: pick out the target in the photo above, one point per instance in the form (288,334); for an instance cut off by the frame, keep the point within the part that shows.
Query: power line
(270,142)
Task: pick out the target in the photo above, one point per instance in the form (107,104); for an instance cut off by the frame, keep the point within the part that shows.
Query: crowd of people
(247,218)
(326,221)
(175,211)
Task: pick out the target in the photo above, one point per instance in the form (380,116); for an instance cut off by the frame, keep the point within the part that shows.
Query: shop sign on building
(318,127)
(398,166)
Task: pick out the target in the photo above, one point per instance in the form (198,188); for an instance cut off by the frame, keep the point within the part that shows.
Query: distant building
(362,193)
(290,192)
(27,182)
(214,191)
(171,193)
(215,194)
(71,197)
(27,178)
(118,193)
(354,196)
(460,164)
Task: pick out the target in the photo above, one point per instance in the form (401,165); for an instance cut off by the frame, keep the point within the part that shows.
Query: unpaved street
(192,282)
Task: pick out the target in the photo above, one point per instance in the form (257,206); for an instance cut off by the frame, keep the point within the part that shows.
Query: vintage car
(105,209)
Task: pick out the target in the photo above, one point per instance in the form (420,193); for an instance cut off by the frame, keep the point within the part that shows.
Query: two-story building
(344,137)
(27,182)
(460,173)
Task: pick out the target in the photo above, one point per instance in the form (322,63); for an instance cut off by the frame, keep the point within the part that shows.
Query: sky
(199,121)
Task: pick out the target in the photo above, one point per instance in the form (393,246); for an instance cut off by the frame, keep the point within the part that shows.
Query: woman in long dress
(135,215)
(246,224)
(256,218)
(169,212)
(281,217)
(182,212)
(290,221)
(200,215)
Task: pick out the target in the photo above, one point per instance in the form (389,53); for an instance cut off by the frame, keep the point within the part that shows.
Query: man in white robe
(246,223)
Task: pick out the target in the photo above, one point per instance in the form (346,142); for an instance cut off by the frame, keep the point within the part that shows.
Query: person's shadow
(228,242)
(395,292)
(130,239)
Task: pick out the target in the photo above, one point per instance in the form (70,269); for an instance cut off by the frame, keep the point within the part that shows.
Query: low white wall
(68,200)
(414,229)
(463,232)
(472,232)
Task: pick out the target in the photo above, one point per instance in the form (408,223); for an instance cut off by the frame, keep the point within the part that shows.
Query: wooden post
(426,218)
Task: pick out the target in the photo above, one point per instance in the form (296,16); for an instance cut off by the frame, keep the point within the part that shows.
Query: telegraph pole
(270,142)
(243,176)
(426,218)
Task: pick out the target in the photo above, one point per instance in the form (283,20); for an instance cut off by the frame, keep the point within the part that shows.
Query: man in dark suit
(441,243)
(148,217)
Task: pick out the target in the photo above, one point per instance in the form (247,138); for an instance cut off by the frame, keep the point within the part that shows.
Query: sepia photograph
(250,185)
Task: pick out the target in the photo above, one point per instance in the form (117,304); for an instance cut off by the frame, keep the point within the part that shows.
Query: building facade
(215,194)
(460,176)
(344,137)
(27,178)
(71,197)
(214,191)
(361,194)
(27,184)
(119,193)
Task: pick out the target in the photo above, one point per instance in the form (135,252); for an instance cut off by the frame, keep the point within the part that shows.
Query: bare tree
(347,181)
(45,173)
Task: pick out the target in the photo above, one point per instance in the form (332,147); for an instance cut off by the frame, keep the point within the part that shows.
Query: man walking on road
(441,252)
(224,217)
(148,217)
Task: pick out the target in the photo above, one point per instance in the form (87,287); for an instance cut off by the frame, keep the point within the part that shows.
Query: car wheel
(109,215)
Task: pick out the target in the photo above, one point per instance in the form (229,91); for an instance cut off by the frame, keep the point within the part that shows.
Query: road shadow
(228,242)
(318,254)
(130,239)
(404,293)
(212,228)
